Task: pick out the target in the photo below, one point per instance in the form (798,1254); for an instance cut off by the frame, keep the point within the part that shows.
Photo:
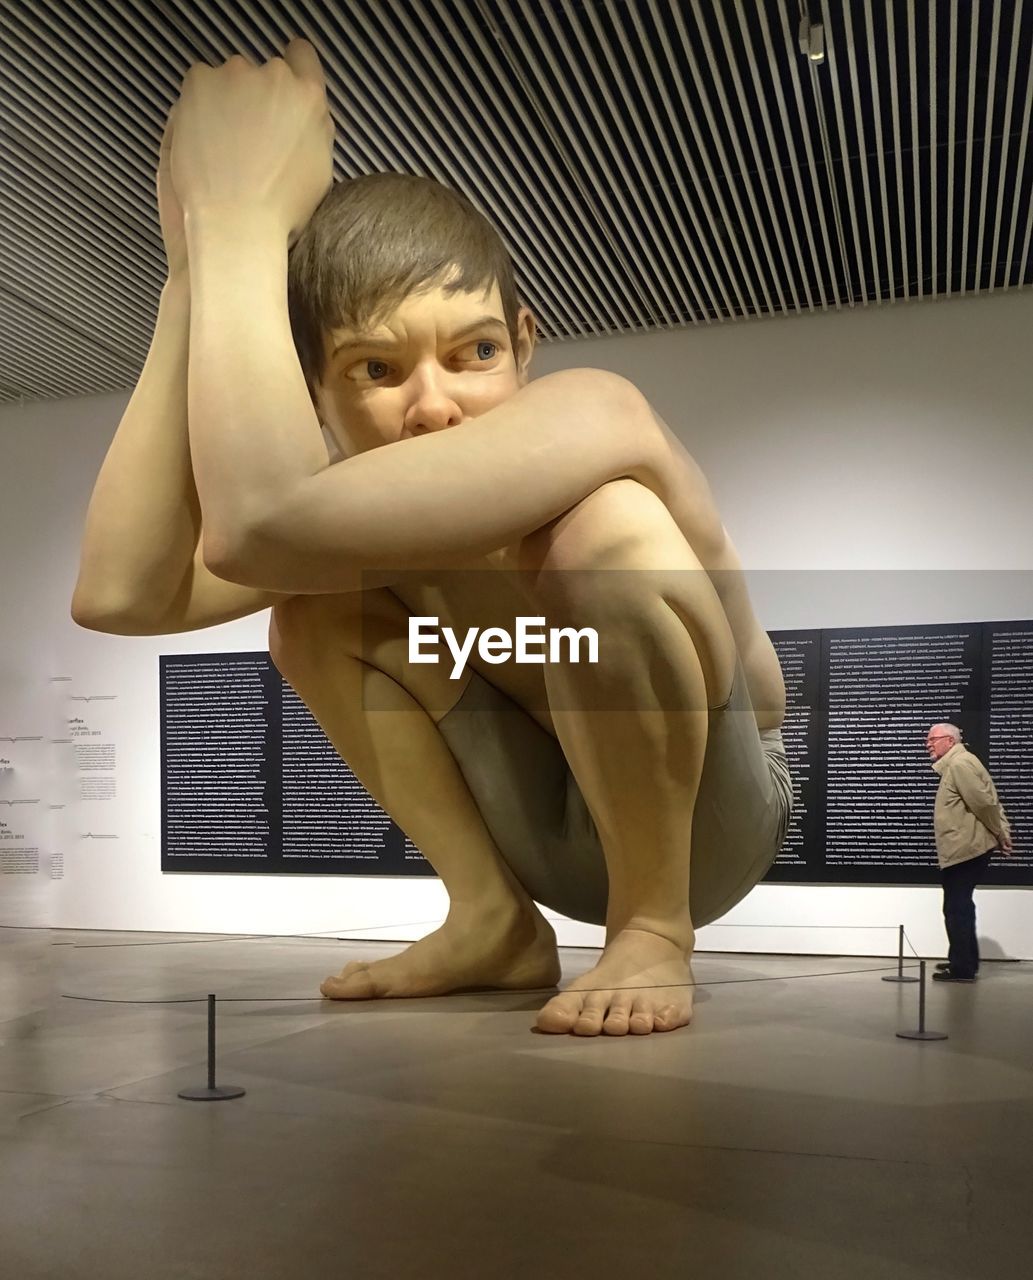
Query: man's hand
(1005,845)
(170,211)
(255,137)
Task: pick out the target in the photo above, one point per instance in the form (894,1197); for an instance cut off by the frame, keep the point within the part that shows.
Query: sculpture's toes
(669,1017)
(561,1013)
(619,1015)
(593,1013)
(354,982)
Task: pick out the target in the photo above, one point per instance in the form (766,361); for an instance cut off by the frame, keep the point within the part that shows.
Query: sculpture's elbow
(226,558)
(642,438)
(231,554)
(87,614)
(113,617)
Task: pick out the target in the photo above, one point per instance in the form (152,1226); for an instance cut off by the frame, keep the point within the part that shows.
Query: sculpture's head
(404,311)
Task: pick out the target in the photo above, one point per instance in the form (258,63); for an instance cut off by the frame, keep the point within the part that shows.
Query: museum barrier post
(899,976)
(921,1033)
(212,1092)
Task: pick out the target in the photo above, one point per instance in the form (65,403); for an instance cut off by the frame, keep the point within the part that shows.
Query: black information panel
(1007,733)
(250,782)
(859,704)
(799,652)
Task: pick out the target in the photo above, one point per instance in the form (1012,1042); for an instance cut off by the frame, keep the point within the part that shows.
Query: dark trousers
(959,913)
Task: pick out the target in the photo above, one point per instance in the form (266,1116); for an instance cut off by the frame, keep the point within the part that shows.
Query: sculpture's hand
(250,137)
(170,211)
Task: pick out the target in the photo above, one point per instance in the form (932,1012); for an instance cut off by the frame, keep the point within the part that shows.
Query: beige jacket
(967,817)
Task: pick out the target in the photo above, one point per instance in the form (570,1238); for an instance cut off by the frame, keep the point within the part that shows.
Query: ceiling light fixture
(811,39)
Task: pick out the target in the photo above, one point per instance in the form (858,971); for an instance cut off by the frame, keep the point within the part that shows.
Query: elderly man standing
(969,824)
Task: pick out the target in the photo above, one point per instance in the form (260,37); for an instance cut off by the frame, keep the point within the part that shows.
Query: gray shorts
(532,806)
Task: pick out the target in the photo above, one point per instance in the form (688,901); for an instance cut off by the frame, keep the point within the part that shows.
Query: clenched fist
(249,137)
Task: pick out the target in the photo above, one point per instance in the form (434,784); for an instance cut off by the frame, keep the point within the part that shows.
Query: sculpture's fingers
(303,60)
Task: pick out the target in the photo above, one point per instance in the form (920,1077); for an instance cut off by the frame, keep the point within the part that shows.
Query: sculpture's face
(437,360)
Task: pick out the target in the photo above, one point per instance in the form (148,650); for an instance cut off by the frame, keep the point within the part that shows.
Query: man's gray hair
(949,730)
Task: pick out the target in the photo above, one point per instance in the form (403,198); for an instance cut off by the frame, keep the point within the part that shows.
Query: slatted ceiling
(54,332)
(72,253)
(746,151)
(39,354)
(588,209)
(451,122)
(567,296)
(457,120)
(66,215)
(613,148)
(700,121)
(102,330)
(650,163)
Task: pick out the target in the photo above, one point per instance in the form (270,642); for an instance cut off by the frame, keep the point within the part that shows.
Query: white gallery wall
(873,467)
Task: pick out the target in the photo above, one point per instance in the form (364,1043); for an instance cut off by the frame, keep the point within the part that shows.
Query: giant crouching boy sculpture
(647,790)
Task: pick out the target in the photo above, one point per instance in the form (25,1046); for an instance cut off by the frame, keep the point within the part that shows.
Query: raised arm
(141,567)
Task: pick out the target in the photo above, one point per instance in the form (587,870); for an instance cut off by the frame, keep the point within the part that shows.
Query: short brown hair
(376,239)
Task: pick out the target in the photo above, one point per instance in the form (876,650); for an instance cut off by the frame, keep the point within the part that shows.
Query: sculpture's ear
(526,336)
(333,449)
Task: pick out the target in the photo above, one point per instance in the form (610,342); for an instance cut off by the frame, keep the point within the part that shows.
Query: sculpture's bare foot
(642,983)
(510,950)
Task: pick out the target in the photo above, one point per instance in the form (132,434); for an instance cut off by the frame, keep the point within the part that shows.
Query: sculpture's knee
(619,563)
(607,557)
(622,524)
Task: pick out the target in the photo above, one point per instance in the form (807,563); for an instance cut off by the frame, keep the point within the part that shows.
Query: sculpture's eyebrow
(476,326)
(368,342)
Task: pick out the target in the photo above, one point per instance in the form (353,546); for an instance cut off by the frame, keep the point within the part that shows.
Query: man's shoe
(945,975)
(943,966)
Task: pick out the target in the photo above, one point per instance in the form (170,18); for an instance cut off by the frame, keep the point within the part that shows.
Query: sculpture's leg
(346,658)
(634,729)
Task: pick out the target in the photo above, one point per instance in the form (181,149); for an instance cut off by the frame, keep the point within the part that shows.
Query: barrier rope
(716,982)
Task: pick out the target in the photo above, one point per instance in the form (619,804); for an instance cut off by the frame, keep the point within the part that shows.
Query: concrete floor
(789,1133)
